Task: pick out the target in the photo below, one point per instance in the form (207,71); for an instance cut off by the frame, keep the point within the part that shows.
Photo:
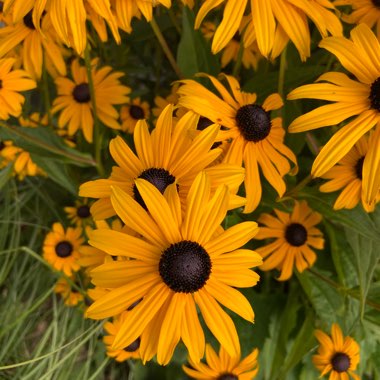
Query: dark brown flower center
(296,234)
(83,211)
(236,37)
(203,123)
(64,249)
(374,95)
(158,177)
(340,362)
(254,122)
(2,145)
(376,3)
(1,6)
(81,93)
(136,112)
(359,168)
(228,376)
(133,346)
(28,20)
(185,267)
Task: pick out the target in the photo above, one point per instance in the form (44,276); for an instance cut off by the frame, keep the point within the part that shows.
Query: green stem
(281,77)
(293,192)
(351,293)
(313,144)
(97,134)
(174,20)
(165,47)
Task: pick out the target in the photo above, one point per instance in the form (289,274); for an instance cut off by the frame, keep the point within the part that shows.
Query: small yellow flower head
(337,355)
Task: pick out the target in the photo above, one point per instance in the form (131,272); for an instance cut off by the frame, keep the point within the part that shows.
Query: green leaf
(56,172)
(44,142)
(194,55)
(325,299)
(265,84)
(302,344)
(5,174)
(367,255)
(357,220)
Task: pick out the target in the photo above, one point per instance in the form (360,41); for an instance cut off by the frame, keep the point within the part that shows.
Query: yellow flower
(61,247)
(112,328)
(126,10)
(363,11)
(11,83)
(359,98)
(257,140)
(131,114)
(168,155)
(37,45)
(74,100)
(223,367)
(337,354)
(250,56)
(349,175)
(178,261)
(91,257)
(23,164)
(162,102)
(79,214)
(294,234)
(275,22)
(71,296)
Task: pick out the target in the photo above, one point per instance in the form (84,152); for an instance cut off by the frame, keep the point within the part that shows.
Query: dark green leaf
(44,142)
(194,55)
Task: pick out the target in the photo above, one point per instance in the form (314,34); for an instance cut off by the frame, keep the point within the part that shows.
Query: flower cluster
(193,215)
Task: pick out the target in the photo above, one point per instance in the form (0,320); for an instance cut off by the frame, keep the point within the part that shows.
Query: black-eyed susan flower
(250,56)
(71,296)
(348,176)
(168,155)
(256,138)
(275,22)
(126,10)
(351,98)
(60,248)
(11,83)
(37,45)
(21,160)
(179,260)
(132,351)
(223,366)
(80,213)
(337,355)
(363,11)
(132,113)
(294,234)
(74,99)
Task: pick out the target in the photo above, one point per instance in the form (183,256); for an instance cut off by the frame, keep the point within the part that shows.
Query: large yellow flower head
(223,366)
(360,98)
(38,44)
(168,155)
(11,83)
(257,139)
(275,21)
(337,354)
(294,234)
(177,261)
(74,99)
